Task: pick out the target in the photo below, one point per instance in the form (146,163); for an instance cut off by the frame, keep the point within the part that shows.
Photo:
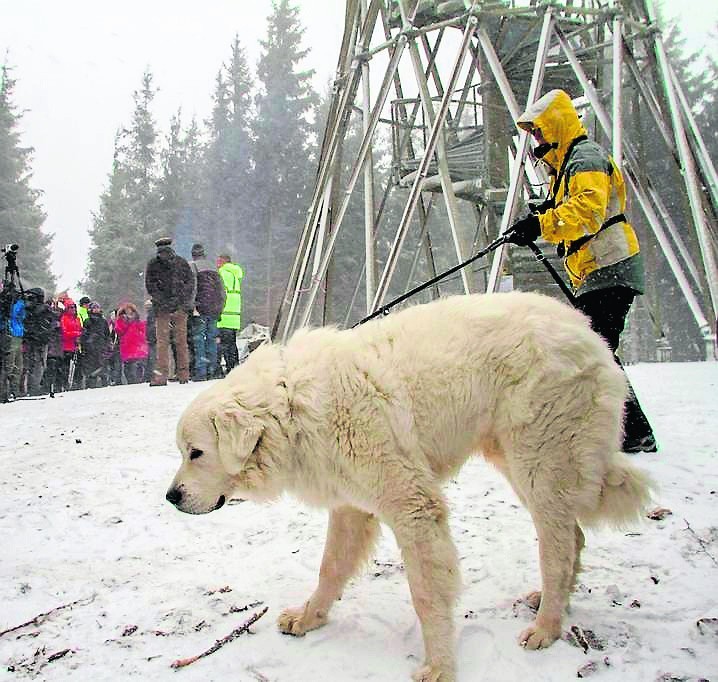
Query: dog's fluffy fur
(369,422)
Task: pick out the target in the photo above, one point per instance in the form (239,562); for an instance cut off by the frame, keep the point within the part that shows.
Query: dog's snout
(174,496)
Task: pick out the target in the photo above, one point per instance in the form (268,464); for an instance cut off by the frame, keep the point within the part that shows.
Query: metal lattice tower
(447,78)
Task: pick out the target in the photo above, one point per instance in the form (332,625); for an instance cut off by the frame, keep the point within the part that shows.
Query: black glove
(544,206)
(525,230)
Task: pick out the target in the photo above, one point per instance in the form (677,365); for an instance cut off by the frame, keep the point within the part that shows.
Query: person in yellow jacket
(584,216)
(231,318)
(82,311)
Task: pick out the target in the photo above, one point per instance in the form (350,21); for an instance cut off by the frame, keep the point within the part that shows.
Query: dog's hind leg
(419,520)
(558,543)
(350,540)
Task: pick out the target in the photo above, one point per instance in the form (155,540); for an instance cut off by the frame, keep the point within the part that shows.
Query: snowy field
(84,522)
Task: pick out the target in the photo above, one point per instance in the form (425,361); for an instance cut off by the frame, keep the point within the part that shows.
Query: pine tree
(21,216)
(229,191)
(129,221)
(707,104)
(283,147)
(663,297)
(105,281)
(180,185)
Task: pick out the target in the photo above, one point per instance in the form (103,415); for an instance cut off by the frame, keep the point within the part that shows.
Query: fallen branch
(39,660)
(182,662)
(40,618)
(701,542)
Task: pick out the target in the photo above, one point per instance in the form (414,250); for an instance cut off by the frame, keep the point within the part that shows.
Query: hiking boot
(643,444)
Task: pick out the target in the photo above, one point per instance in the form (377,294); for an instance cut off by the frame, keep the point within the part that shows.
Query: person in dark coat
(95,341)
(40,324)
(55,379)
(208,305)
(170,283)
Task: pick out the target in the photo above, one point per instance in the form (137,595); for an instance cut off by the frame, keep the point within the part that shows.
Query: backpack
(210,296)
(40,323)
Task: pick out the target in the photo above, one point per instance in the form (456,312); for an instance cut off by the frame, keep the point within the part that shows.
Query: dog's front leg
(350,539)
(422,532)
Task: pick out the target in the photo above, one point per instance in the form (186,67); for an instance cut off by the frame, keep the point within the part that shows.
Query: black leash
(503,239)
(384,310)
(541,258)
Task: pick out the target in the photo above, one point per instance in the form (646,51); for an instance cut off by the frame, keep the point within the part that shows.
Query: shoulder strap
(578,243)
(562,170)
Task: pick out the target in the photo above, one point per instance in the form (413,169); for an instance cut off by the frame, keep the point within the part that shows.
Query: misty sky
(77,63)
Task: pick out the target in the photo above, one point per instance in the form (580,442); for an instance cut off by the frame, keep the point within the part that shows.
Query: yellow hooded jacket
(590,192)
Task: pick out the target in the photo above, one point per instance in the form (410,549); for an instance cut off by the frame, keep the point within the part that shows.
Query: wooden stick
(182,662)
(41,616)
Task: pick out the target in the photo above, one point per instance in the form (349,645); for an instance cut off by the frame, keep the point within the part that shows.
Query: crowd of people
(189,330)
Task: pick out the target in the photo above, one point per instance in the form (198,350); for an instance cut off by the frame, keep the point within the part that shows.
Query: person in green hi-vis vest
(231,318)
(82,311)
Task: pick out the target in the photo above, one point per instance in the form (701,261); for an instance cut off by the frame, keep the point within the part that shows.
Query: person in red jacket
(71,330)
(132,333)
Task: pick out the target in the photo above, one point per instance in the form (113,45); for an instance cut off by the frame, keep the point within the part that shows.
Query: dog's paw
(301,620)
(532,600)
(434,673)
(535,637)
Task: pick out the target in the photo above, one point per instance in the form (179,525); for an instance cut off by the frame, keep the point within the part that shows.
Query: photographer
(12,318)
(40,323)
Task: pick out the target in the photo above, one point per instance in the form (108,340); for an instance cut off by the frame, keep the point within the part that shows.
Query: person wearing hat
(95,342)
(170,283)
(40,325)
(584,216)
(82,310)
(208,304)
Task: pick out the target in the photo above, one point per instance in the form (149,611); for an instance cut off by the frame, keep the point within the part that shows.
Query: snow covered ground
(83,519)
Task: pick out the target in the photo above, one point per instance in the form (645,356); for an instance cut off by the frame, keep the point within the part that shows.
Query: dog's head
(232,442)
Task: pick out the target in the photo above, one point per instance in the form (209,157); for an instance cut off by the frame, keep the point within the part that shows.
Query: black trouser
(134,371)
(35,361)
(607,310)
(55,376)
(228,348)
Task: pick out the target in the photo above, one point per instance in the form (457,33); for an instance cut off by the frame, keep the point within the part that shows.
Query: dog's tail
(625,493)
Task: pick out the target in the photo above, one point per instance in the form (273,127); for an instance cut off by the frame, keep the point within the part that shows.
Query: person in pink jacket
(70,330)
(131,332)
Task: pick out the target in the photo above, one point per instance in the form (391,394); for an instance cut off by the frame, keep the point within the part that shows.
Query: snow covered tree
(105,281)
(283,171)
(21,216)
(181,184)
(129,221)
(229,191)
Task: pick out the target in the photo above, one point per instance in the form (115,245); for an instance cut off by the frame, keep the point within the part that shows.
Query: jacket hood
(558,120)
(235,269)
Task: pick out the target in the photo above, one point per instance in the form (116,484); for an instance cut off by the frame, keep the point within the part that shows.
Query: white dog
(368,422)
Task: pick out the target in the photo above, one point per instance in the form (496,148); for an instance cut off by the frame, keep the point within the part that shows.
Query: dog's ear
(237,437)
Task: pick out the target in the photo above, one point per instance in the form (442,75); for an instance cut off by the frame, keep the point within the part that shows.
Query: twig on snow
(40,618)
(39,660)
(182,662)
(701,543)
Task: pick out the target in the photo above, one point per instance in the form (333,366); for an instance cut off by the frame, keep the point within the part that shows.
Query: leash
(384,310)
